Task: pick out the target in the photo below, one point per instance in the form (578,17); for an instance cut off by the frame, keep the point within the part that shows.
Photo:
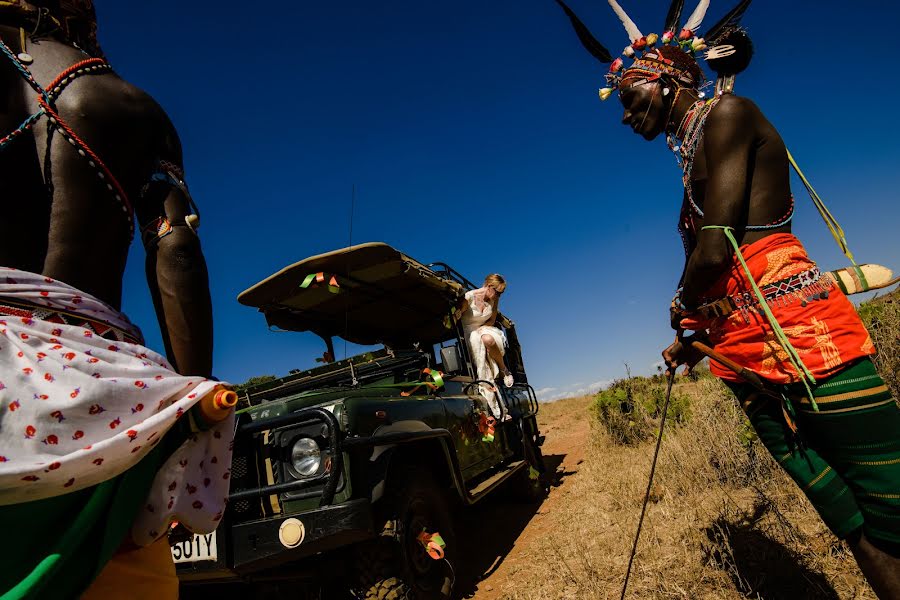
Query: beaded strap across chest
(46,102)
(693,133)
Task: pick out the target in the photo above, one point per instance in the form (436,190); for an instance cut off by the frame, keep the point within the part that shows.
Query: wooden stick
(748,375)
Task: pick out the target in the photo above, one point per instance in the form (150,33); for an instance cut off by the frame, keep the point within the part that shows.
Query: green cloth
(845,456)
(54,548)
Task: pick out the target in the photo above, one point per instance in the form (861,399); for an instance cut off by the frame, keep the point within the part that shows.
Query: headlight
(306,457)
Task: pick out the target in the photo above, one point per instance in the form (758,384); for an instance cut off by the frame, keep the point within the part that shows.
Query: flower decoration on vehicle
(486,425)
(480,428)
(652,54)
(315,280)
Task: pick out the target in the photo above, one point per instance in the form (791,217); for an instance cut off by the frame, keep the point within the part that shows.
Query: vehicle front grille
(243,477)
(241,506)
(239,467)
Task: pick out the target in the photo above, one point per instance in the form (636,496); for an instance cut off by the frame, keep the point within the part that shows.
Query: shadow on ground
(487,532)
(759,566)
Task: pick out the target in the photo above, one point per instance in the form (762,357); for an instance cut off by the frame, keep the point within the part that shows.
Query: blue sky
(473,134)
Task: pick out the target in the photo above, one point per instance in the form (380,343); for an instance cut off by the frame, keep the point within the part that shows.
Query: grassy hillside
(724,521)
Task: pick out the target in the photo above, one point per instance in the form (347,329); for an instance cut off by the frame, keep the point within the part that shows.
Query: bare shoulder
(734,122)
(733,111)
(119,106)
(163,135)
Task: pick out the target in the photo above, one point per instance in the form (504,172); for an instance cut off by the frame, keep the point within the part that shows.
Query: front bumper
(258,544)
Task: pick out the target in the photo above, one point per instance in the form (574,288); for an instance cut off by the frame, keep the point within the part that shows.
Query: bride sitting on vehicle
(477,313)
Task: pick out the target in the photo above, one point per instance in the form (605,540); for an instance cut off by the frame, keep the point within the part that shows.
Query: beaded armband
(171,175)
(155,230)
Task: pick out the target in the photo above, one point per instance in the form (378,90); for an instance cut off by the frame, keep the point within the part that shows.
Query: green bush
(882,318)
(630,409)
(239,388)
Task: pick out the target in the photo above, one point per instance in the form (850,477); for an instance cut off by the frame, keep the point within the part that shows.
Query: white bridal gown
(473,321)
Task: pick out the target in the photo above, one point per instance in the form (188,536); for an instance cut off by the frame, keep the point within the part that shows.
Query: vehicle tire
(397,567)
(376,566)
(391,588)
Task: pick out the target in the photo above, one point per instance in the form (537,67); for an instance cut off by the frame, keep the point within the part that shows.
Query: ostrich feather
(590,43)
(673,19)
(696,18)
(727,22)
(633,32)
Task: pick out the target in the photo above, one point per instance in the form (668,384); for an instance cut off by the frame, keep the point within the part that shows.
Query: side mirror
(451,360)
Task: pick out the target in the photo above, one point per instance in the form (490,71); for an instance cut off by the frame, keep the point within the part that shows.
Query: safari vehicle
(350,469)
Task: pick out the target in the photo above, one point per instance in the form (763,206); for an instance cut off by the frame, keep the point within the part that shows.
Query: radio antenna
(347,272)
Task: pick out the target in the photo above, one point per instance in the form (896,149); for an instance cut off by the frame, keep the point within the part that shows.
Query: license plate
(199,548)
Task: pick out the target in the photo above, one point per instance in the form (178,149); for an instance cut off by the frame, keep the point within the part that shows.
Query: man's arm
(728,140)
(176,270)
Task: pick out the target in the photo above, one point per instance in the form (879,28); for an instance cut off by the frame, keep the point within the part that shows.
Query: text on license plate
(200,547)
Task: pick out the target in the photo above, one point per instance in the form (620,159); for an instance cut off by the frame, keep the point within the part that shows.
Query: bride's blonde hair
(496,281)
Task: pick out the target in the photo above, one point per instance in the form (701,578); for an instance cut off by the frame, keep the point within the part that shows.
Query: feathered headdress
(724,40)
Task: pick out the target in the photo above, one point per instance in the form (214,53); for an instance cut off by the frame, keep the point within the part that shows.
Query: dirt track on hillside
(497,539)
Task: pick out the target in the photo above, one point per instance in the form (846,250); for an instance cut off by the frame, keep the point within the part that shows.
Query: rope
(805,375)
(833,226)
(94,161)
(80,68)
(45,100)
(637,535)
(23,70)
(25,126)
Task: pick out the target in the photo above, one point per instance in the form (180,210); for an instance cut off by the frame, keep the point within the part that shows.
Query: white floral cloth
(77,409)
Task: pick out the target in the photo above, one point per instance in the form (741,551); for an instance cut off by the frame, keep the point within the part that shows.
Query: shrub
(241,387)
(882,318)
(630,409)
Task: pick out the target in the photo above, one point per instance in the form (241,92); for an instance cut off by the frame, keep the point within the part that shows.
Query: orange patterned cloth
(825,329)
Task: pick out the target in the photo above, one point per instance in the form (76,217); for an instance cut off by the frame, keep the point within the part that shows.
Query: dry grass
(563,411)
(724,521)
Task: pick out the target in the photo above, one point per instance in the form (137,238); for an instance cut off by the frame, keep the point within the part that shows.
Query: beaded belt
(50,315)
(802,287)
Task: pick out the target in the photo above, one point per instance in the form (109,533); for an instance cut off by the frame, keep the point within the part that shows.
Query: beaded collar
(693,133)
(692,127)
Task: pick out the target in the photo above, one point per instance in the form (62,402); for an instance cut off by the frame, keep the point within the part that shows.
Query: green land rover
(346,477)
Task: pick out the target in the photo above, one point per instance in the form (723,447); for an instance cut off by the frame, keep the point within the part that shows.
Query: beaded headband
(649,62)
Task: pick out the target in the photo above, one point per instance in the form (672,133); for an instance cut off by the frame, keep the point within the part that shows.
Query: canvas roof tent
(384,297)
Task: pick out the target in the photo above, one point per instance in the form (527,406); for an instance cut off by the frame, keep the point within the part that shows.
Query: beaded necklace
(693,133)
(693,124)
(689,132)
(46,98)
(686,120)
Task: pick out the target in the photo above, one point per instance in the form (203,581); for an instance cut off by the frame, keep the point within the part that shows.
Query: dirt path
(496,538)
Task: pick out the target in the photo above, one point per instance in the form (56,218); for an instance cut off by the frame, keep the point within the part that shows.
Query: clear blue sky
(474,135)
